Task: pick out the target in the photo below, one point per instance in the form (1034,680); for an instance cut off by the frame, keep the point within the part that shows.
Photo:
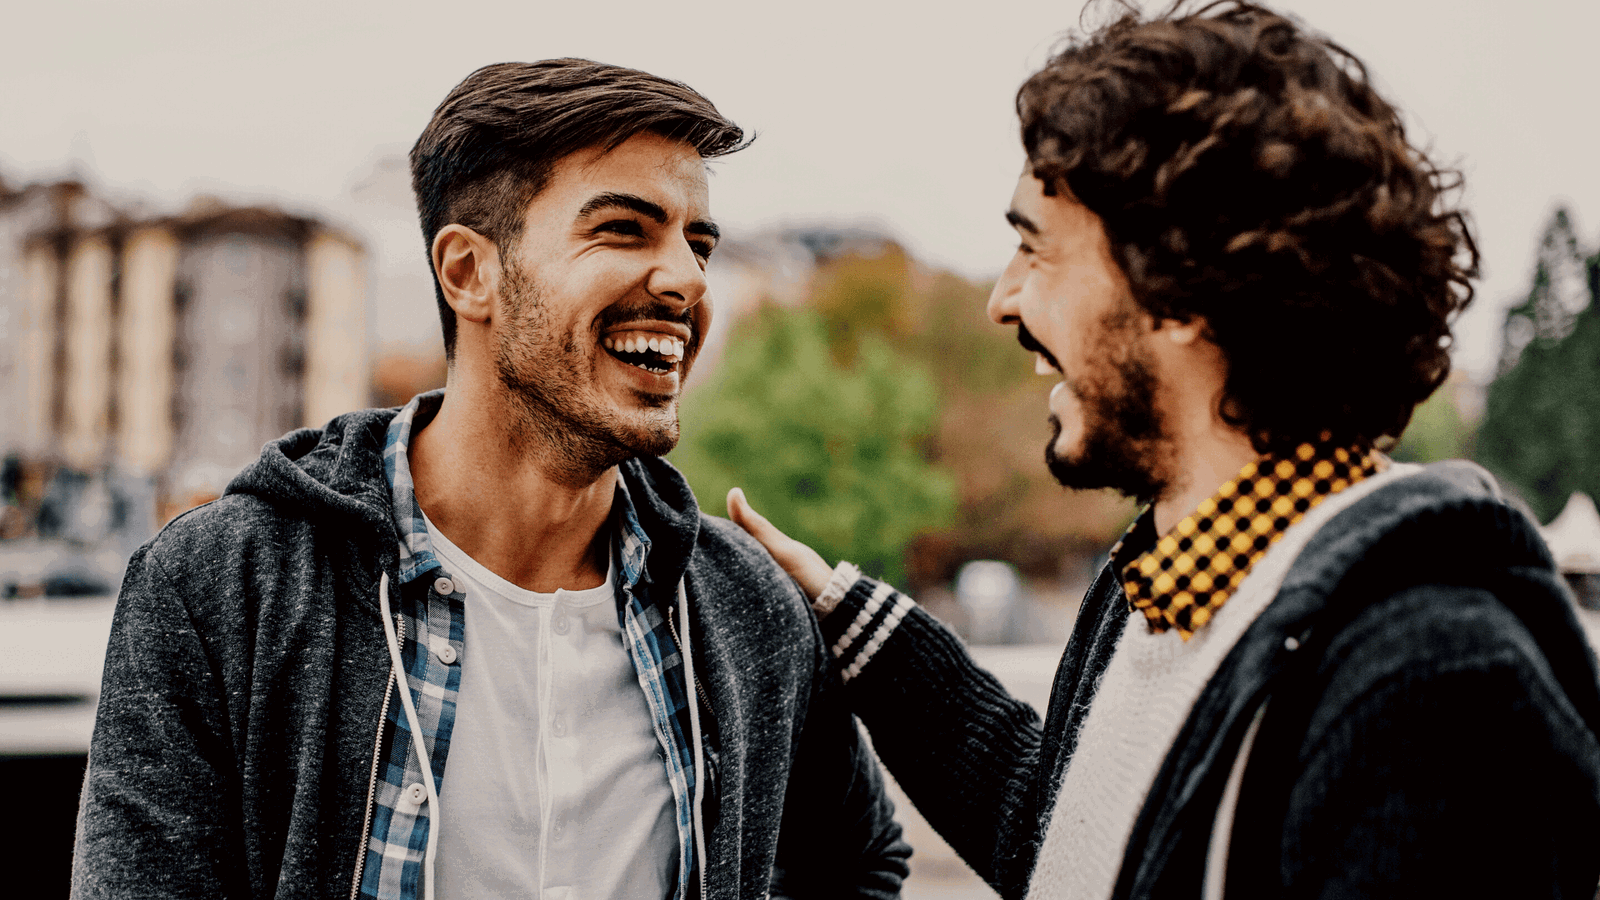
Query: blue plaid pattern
(416,552)
(399,835)
(660,666)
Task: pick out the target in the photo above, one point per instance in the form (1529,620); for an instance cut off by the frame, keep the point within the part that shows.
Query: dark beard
(573,451)
(574,444)
(1124,443)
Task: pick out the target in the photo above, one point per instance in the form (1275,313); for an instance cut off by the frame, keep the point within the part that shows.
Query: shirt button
(559,830)
(559,727)
(444,586)
(417,793)
(562,624)
(447,654)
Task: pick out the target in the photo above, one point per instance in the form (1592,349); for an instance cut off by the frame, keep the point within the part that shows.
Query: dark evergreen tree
(1541,424)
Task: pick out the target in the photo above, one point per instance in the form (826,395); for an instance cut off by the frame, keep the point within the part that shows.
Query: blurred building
(169,349)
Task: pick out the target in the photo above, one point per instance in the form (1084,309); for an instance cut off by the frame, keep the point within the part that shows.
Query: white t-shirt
(554,786)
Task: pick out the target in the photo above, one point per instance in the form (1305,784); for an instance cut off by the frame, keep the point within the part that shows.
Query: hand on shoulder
(803,564)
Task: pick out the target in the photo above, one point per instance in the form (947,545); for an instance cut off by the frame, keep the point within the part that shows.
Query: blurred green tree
(992,416)
(1436,432)
(1541,424)
(834,451)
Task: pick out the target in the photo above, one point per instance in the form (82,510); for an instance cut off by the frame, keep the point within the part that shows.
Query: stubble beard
(1124,445)
(559,414)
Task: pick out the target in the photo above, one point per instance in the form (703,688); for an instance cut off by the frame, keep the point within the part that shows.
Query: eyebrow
(1021,222)
(646,208)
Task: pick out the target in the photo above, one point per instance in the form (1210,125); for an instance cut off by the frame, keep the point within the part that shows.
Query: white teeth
(669,347)
(1040,367)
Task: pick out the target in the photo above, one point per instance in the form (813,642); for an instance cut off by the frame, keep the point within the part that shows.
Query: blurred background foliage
(830,442)
(1438,430)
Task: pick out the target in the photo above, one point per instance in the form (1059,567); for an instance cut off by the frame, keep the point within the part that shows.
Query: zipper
(699,689)
(372,778)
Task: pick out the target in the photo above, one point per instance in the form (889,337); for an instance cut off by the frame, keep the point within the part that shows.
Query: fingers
(743,515)
(780,545)
(802,563)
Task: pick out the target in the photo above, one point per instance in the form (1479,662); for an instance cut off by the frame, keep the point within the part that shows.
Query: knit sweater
(1147,690)
(1431,729)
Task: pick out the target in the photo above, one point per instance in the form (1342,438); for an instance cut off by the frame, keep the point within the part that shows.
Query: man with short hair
(501,576)
(1304,670)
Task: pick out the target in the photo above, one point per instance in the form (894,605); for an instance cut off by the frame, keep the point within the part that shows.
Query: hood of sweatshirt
(1451,524)
(335,475)
(1446,524)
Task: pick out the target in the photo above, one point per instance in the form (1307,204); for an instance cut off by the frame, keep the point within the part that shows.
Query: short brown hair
(1247,172)
(493,142)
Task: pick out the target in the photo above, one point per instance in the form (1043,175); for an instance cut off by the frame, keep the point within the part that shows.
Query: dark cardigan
(1431,731)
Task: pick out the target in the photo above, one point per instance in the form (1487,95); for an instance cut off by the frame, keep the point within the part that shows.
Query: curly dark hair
(494,140)
(1247,172)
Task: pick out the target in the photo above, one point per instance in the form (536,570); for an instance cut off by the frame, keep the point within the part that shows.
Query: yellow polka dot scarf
(1191,571)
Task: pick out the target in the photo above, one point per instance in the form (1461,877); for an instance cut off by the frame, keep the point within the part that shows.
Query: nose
(1003,306)
(678,276)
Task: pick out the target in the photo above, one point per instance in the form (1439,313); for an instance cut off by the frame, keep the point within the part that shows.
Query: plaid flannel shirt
(428,618)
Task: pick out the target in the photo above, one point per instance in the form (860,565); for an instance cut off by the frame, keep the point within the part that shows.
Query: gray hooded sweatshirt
(233,750)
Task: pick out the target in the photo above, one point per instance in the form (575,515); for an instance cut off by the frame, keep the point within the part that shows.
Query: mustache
(1032,345)
(653,311)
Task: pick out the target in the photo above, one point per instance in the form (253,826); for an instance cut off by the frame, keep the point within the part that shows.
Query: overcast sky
(893,113)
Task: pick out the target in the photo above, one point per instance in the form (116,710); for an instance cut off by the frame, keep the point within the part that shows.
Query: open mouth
(651,351)
(1045,361)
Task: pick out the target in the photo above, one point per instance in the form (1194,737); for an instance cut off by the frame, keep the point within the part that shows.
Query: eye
(628,227)
(702,249)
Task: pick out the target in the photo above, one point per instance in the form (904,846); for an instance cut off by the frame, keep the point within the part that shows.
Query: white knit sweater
(1143,699)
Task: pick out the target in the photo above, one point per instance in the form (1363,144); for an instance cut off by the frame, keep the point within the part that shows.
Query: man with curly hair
(1305,670)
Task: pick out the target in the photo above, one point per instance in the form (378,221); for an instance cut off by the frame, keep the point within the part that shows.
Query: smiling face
(603,301)
(1073,308)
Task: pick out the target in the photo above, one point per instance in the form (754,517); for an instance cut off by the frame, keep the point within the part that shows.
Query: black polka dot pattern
(1193,569)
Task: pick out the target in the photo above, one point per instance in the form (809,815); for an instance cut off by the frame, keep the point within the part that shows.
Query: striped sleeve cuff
(864,618)
(844,575)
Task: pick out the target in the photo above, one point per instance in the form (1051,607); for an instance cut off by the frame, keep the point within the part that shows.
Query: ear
(468,267)
(1185,333)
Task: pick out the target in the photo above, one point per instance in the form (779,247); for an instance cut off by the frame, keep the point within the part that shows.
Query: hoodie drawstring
(416,735)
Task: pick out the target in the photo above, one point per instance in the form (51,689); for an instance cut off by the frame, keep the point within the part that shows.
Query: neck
(486,489)
(1205,459)
(1206,452)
